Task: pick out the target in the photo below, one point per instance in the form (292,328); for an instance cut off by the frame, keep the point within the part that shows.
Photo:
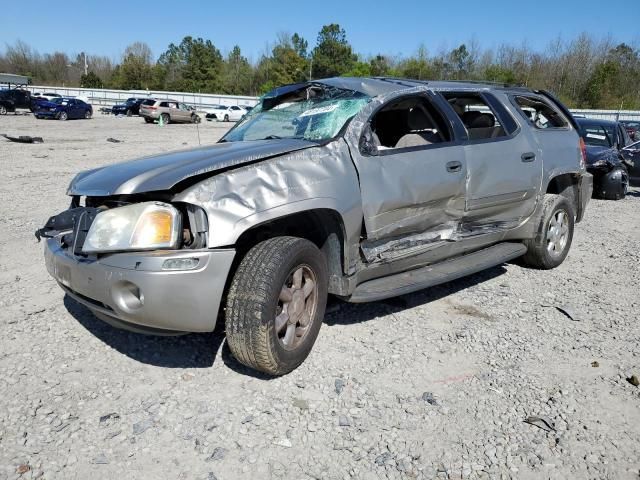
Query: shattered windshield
(313,112)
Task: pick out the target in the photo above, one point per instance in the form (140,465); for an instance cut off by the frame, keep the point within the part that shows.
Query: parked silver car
(357,187)
(168,111)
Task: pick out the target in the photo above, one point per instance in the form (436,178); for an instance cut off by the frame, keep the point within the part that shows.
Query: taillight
(583,153)
(152,108)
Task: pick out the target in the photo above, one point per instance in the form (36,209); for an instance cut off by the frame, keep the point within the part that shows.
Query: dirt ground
(437,384)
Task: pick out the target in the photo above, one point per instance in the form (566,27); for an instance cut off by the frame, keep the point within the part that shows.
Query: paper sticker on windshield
(596,136)
(319,110)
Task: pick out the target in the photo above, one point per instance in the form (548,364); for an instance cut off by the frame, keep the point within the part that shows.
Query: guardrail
(108,97)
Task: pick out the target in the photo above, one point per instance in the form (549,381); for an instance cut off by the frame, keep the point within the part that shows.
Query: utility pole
(310,67)
(86,67)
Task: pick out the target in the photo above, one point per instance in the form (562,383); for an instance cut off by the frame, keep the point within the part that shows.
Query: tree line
(585,72)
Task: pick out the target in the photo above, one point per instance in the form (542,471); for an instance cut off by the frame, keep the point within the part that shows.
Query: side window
(164,104)
(408,122)
(539,113)
(479,118)
(235,108)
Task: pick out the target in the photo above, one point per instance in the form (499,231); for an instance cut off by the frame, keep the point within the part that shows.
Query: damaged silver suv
(360,188)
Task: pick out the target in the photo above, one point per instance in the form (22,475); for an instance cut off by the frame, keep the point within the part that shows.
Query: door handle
(528,157)
(454,166)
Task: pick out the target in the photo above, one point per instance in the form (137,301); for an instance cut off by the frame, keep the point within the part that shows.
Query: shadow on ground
(201,350)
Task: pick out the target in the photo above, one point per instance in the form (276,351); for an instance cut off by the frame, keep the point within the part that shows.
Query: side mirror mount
(368,142)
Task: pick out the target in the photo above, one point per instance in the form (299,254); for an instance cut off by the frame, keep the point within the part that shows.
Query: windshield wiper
(278,137)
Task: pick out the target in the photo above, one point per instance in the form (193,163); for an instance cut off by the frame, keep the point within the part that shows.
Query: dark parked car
(10,100)
(64,109)
(633,128)
(632,154)
(128,108)
(604,141)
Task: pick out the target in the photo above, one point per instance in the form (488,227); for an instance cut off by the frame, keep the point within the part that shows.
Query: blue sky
(392,27)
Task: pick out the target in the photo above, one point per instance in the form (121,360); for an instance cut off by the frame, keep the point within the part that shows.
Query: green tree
(332,55)
(195,65)
(90,80)
(284,65)
(237,73)
(135,71)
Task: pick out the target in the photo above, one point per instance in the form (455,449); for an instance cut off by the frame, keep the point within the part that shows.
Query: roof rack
(474,82)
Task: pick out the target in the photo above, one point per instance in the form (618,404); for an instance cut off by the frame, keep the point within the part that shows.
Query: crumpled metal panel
(317,177)
(406,202)
(162,172)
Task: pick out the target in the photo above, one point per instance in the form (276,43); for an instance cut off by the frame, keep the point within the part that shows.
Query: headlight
(141,226)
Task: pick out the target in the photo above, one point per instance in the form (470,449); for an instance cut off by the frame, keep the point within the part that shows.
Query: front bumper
(47,113)
(585,190)
(131,290)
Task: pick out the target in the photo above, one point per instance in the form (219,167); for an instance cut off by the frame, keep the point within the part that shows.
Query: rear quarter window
(539,113)
(149,102)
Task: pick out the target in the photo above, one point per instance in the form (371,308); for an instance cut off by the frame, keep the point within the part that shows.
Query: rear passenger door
(503,163)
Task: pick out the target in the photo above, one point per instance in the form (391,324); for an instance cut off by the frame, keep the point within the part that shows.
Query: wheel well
(565,185)
(323,227)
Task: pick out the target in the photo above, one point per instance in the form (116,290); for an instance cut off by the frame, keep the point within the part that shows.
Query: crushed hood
(162,172)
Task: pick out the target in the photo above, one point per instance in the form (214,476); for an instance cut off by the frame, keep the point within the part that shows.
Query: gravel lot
(431,385)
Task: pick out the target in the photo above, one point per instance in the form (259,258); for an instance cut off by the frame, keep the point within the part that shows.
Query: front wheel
(3,110)
(87,114)
(276,303)
(226,118)
(63,116)
(554,234)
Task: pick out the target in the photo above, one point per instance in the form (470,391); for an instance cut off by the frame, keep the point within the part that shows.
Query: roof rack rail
(475,82)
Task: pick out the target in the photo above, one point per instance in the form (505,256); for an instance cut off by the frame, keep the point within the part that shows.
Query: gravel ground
(436,384)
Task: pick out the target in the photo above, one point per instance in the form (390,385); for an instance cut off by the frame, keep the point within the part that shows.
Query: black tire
(63,116)
(195,118)
(540,251)
(129,112)
(87,115)
(148,120)
(226,118)
(3,110)
(254,302)
(165,118)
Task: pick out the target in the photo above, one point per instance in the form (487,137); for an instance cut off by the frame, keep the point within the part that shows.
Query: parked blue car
(64,109)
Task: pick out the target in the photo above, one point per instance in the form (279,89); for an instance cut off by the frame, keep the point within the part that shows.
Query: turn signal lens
(153,228)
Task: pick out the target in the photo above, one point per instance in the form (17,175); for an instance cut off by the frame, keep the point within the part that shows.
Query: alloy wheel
(558,233)
(296,307)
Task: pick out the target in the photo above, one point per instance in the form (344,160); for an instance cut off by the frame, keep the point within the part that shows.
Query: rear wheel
(3,110)
(165,118)
(129,112)
(226,118)
(276,304)
(63,116)
(554,234)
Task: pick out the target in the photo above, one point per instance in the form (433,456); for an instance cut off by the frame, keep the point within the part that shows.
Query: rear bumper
(133,291)
(585,190)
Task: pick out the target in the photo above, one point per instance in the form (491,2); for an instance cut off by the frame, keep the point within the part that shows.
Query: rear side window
(480,116)
(149,102)
(539,113)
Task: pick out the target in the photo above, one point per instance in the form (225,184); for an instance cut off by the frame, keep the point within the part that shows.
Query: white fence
(608,114)
(98,96)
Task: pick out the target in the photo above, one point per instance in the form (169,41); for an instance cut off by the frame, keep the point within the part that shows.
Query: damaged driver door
(412,178)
